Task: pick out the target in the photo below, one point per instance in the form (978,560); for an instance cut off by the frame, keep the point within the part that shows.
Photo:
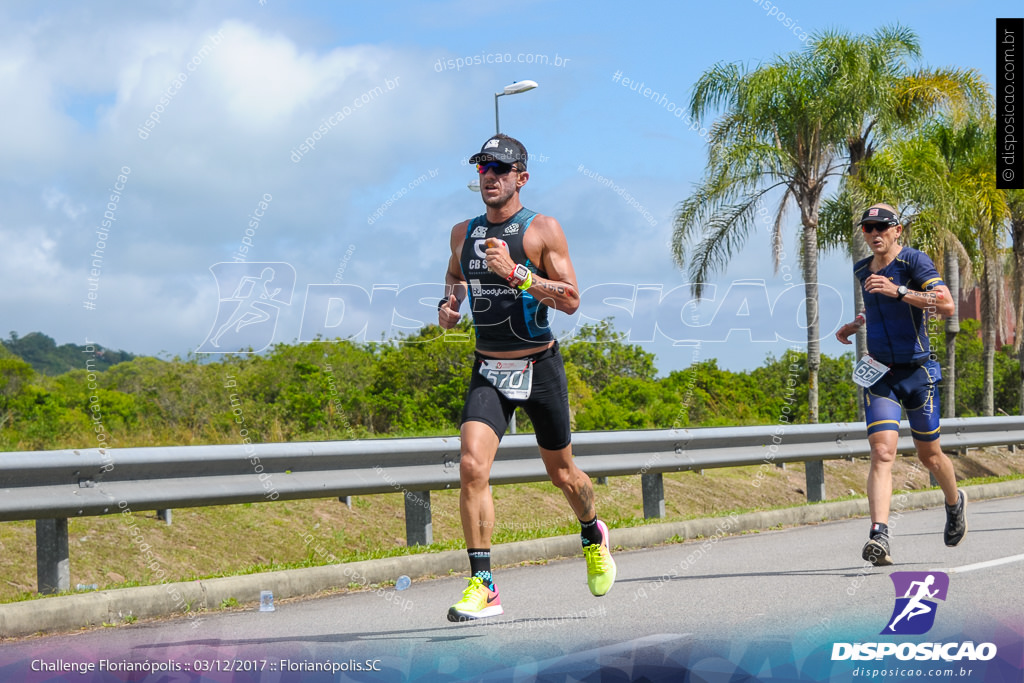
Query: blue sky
(372,203)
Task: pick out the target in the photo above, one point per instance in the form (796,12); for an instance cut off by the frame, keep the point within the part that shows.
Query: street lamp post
(512,89)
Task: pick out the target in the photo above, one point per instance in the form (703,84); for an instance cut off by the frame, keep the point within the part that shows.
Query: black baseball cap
(878,214)
(501,148)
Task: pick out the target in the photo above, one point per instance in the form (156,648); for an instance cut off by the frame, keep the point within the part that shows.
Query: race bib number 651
(513,378)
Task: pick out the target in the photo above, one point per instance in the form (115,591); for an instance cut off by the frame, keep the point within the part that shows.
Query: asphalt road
(768,604)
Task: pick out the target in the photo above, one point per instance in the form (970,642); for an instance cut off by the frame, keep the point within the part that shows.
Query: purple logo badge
(916,593)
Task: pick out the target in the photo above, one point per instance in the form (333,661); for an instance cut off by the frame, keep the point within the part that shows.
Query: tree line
(333,390)
(43,354)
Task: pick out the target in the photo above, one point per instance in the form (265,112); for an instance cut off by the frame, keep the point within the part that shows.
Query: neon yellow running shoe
(600,565)
(478,601)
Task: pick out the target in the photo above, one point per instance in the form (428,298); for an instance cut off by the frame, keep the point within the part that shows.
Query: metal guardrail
(52,486)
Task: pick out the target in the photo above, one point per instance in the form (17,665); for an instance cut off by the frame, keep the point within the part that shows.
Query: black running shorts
(547,407)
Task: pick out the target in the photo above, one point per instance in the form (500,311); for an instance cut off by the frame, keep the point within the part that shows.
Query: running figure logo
(251,296)
(914,612)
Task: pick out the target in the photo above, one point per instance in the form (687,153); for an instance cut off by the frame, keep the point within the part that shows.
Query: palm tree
(991,223)
(970,221)
(788,126)
(981,212)
(779,133)
(884,98)
(1015,201)
(969,152)
(943,177)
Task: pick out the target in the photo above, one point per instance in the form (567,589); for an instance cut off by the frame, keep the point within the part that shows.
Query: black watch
(901,292)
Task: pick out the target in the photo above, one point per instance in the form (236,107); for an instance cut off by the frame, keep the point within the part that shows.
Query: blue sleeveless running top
(897,331)
(505,319)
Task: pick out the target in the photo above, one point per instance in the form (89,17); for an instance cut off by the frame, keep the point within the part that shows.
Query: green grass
(204,543)
(990,480)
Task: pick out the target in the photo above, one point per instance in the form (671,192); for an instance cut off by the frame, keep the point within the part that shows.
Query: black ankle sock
(589,532)
(879,529)
(955,506)
(480,565)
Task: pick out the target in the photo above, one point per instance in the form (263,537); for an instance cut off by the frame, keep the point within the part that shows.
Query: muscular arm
(548,247)
(545,245)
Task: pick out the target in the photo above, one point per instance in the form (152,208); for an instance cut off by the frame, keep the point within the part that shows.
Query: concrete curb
(93,609)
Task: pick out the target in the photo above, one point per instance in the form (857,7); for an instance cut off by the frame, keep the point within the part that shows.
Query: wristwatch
(901,292)
(518,275)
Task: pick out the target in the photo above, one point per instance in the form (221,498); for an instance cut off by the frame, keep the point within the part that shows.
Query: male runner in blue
(901,288)
(514,264)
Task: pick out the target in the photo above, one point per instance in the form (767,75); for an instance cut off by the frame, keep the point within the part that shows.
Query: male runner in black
(901,287)
(514,264)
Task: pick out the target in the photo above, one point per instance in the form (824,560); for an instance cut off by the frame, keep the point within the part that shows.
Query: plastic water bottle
(267,601)
(86,587)
(403,582)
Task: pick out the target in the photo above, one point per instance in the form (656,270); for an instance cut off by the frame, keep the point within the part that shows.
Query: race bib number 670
(513,378)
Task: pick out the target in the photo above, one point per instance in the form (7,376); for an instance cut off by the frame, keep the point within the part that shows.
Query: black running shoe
(876,551)
(956,522)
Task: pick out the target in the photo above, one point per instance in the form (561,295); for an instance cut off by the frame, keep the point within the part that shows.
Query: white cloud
(81,80)
(55,199)
(223,140)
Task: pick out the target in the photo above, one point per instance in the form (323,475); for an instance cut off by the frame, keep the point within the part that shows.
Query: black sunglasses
(868,228)
(499,167)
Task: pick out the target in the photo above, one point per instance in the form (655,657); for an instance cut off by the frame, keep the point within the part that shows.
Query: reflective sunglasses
(499,168)
(879,226)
